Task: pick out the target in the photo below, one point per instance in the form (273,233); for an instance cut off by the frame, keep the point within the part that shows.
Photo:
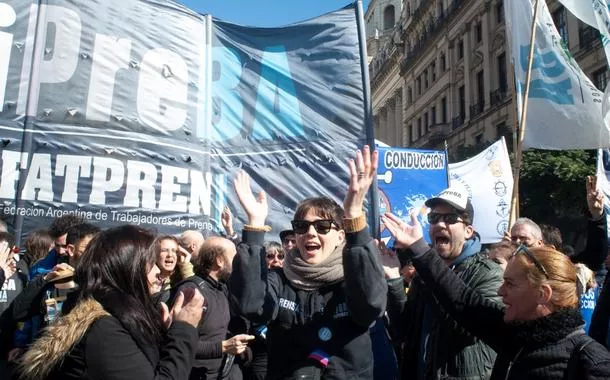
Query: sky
(266,13)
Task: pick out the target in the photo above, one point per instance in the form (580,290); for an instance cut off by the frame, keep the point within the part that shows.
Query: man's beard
(224,275)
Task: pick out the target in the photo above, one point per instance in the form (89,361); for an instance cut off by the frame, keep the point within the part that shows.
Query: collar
(548,329)
(471,247)
(214,283)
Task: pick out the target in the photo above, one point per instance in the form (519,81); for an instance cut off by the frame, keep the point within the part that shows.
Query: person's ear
(220,261)
(545,294)
(469,232)
(341,236)
(71,249)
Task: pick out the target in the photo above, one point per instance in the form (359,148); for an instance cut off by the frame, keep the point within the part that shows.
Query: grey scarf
(313,276)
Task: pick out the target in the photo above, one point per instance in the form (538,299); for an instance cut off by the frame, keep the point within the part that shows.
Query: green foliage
(553,183)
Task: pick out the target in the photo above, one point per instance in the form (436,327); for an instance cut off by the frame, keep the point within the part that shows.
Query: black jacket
(534,350)
(451,351)
(299,320)
(89,343)
(213,328)
(596,249)
(593,256)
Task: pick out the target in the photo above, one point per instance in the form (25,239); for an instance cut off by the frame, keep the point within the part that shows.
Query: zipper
(510,364)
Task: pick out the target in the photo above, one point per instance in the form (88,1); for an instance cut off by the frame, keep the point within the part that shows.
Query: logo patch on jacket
(288,304)
(341,311)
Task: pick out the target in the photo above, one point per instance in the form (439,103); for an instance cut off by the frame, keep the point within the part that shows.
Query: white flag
(582,9)
(488,178)
(564,107)
(597,14)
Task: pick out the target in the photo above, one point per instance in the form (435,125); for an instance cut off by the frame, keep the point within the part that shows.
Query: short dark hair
(78,232)
(323,207)
(208,254)
(504,248)
(60,225)
(7,237)
(551,235)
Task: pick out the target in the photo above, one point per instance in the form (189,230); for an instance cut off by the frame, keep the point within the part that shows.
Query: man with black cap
(436,347)
(288,239)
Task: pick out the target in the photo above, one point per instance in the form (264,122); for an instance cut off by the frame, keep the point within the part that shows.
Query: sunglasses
(271,256)
(322,226)
(451,218)
(523,249)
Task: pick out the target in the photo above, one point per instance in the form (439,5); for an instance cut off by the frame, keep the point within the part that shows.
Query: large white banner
(488,178)
(564,107)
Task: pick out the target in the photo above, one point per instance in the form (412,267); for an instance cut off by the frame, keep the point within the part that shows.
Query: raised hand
(188,307)
(389,261)
(226,219)
(184,256)
(362,172)
(256,208)
(405,234)
(595,198)
(6,255)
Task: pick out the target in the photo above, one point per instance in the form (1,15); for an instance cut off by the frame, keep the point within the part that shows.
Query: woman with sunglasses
(318,309)
(274,254)
(538,333)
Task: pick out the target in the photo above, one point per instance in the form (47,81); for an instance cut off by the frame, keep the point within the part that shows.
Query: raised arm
(248,283)
(481,316)
(596,249)
(366,287)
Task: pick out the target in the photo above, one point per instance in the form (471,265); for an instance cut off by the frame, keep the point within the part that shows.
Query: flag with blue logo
(564,107)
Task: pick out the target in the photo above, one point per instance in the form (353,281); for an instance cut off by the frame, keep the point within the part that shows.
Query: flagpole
(522,122)
(447,163)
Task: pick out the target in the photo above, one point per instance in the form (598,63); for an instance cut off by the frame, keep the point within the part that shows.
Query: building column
(466,37)
(397,132)
(487,61)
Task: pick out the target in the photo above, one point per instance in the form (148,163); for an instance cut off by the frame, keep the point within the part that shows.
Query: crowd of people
(321,299)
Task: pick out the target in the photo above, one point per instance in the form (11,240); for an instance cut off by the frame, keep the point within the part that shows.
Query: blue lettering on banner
(276,99)
(548,65)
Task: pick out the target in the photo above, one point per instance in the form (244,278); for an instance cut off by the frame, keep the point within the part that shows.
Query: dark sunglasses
(451,218)
(523,249)
(271,256)
(322,226)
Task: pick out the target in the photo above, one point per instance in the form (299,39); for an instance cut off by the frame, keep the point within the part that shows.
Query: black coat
(89,343)
(534,350)
(333,318)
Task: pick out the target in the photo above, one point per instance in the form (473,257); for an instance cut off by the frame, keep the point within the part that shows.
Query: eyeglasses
(271,256)
(451,218)
(322,226)
(523,249)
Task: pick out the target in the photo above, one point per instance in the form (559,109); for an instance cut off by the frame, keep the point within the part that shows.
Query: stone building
(444,74)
